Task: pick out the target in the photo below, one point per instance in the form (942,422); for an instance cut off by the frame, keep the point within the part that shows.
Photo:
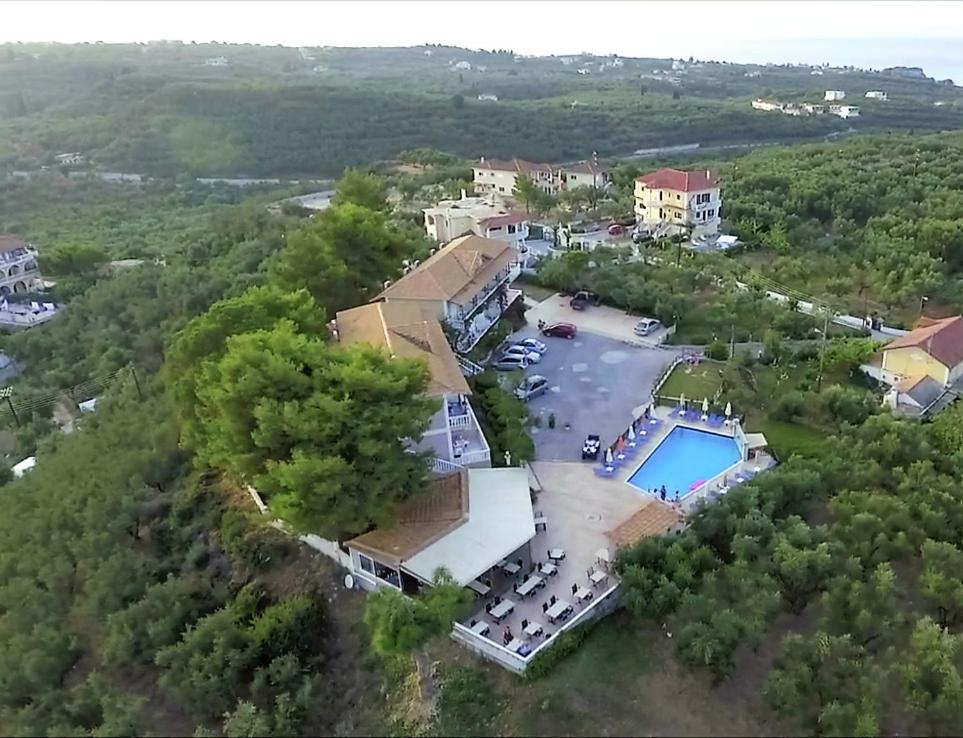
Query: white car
(533,344)
(533,357)
(646,326)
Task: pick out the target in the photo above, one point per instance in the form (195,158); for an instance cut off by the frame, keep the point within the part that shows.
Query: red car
(560,330)
(616,229)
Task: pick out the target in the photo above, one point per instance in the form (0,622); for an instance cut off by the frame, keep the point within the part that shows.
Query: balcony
(456,440)
(472,331)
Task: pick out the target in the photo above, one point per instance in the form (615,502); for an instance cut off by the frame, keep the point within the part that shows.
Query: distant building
(584,70)
(488,97)
(483,216)
(496,175)
(767,105)
(670,201)
(844,111)
(834,95)
(216,61)
(69,159)
(18,267)
(461,66)
(877,95)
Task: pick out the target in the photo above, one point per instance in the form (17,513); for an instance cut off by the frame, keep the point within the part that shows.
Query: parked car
(533,386)
(646,326)
(560,330)
(518,350)
(616,229)
(534,344)
(510,363)
(582,299)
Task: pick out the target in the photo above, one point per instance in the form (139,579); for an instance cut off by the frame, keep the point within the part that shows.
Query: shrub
(564,645)
(717,350)
(790,405)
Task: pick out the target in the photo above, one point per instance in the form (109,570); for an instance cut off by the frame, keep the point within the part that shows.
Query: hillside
(273,111)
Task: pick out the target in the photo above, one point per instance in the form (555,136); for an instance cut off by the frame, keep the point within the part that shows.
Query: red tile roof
(942,339)
(674,179)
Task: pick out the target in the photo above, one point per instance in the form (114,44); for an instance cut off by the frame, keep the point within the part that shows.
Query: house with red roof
(498,176)
(487,216)
(672,201)
(933,348)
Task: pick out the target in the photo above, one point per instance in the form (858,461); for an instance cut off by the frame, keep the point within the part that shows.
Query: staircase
(468,367)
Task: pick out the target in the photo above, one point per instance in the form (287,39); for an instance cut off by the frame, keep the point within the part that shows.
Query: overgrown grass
(786,439)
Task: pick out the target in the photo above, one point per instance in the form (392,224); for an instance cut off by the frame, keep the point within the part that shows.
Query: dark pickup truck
(582,299)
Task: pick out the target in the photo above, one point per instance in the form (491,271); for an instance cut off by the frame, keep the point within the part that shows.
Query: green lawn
(534,291)
(695,382)
(764,385)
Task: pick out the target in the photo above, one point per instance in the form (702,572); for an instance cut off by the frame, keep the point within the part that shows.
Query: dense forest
(159,109)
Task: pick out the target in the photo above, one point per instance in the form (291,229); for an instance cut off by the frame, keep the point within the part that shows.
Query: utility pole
(7,393)
(822,353)
(133,373)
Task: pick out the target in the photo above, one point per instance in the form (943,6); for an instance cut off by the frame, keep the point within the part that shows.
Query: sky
(869,34)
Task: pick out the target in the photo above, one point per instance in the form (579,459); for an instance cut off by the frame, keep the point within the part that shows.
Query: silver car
(510,363)
(646,326)
(533,357)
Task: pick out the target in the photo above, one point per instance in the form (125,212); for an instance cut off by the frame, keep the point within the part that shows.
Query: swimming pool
(684,457)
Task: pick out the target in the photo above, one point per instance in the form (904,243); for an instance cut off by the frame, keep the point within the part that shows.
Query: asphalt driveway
(596,382)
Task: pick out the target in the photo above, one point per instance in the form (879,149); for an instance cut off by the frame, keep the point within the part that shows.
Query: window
(678,196)
(703,198)
(366,564)
(511,228)
(660,195)
(501,189)
(710,213)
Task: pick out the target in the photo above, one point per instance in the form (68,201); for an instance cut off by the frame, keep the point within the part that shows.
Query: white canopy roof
(500,520)
(26,465)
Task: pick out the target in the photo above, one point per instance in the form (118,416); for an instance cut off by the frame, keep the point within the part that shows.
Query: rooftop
(942,339)
(405,331)
(500,520)
(513,165)
(10,243)
(456,272)
(422,520)
(675,179)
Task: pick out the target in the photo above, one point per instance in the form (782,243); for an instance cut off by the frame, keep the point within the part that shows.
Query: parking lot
(595,382)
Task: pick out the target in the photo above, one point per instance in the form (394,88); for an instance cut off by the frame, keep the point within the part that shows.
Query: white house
(405,330)
(462,66)
(496,175)
(670,201)
(844,111)
(766,105)
(465,284)
(834,95)
(877,95)
(216,61)
(488,97)
(18,266)
(485,216)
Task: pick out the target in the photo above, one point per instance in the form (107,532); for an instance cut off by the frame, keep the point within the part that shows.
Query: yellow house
(933,348)
(677,201)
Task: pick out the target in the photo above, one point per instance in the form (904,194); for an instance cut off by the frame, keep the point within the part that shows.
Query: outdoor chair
(606,472)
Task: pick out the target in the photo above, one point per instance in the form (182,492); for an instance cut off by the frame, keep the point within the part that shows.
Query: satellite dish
(387,283)
(348,581)
(432,252)
(416,263)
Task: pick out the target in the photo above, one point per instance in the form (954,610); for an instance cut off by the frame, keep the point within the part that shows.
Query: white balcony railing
(459,421)
(442,466)
(479,456)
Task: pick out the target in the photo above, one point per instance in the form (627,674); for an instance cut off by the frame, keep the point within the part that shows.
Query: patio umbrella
(631,432)
(681,403)
(705,406)
(728,409)
(608,455)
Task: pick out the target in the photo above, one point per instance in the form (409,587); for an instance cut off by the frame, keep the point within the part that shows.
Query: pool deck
(719,484)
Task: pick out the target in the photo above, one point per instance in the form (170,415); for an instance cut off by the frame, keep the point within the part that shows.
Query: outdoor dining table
(556,610)
(598,577)
(480,628)
(514,644)
(556,554)
(479,587)
(541,520)
(529,585)
(509,567)
(533,629)
(583,594)
(549,569)
(502,609)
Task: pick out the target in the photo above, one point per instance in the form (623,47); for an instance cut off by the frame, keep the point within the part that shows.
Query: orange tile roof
(942,339)
(655,519)
(405,331)
(422,520)
(513,165)
(456,272)
(674,179)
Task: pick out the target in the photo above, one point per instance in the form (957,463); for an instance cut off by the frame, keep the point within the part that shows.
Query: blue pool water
(684,457)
